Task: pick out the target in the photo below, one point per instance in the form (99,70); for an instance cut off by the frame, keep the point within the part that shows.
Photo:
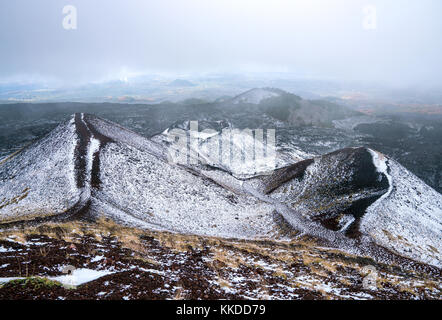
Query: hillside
(111,262)
(100,168)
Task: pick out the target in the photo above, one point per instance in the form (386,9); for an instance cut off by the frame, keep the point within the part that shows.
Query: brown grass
(228,253)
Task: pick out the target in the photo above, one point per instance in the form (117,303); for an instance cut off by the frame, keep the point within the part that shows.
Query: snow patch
(97,258)
(81,276)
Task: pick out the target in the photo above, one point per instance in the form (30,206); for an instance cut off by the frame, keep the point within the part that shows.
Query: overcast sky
(310,37)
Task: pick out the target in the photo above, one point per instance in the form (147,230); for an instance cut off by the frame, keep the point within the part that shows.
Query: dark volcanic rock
(343,185)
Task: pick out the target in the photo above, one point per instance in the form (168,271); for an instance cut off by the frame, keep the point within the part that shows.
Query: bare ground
(162,265)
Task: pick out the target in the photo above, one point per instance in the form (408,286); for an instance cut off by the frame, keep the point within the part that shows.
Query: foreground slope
(109,261)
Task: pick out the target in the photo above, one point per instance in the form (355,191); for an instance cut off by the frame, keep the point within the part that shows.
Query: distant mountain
(313,126)
(284,106)
(354,199)
(194,101)
(256,96)
(181,83)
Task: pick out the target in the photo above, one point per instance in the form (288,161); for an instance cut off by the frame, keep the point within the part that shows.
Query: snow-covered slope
(408,217)
(363,194)
(41,180)
(354,199)
(242,153)
(127,177)
(135,184)
(255,96)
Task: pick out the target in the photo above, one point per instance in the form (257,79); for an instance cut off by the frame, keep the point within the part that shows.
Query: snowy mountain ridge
(256,95)
(354,199)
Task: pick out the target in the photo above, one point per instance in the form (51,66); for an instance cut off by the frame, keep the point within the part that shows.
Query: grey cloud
(317,37)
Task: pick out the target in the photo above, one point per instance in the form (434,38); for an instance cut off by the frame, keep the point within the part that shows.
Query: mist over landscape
(316,38)
(235,149)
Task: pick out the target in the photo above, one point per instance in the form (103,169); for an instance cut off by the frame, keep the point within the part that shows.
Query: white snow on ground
(80,276)
(118,133)
(97,258)
(245,155)
(7,279)
(242,153)
(94,146)
(352,122)
(137,184)
(380,162)
(408,218)
(40,180)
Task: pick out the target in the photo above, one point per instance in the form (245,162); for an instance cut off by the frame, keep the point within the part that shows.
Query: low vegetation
(189,266)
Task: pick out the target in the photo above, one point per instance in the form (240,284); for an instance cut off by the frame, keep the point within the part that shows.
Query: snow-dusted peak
(362,194)
(256,96)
